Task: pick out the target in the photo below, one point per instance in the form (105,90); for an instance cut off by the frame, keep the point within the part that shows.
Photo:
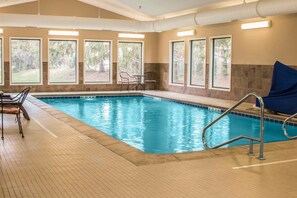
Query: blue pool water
(162,126)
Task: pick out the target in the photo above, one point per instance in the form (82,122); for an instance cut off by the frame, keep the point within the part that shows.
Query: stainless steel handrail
(284,126)
(252,139)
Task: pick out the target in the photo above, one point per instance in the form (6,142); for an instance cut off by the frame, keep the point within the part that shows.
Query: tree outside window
(130,58)
(221,64)
(62,61)
(25,61)
(198,61)
(97,62)
(177,63)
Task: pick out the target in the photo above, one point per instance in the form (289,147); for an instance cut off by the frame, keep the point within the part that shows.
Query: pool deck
(63,157)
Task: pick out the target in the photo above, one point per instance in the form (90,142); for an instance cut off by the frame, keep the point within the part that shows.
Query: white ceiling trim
(119,8)
(13,2)
(261,8)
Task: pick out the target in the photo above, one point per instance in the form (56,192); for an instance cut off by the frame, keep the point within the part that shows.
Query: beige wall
(72,8)
(150,41)
(257,47)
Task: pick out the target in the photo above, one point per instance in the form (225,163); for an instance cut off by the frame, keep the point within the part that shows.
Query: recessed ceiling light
(186,33)
(63,33)
(255,25)
(126,35)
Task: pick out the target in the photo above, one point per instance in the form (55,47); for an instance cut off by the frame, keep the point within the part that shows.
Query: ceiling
(150,10)
(162,7)
(147,10)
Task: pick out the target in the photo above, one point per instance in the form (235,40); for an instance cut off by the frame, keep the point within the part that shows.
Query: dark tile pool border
(140,158)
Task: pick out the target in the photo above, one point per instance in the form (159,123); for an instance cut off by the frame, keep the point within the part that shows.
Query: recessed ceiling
(148,10)
(162,7)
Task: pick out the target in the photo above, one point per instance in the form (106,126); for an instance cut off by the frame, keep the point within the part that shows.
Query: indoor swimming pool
(162,126)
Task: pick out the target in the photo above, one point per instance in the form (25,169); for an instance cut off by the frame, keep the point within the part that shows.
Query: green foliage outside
(222,62)
(130,57)
(97,61)
(25,61)
(62,61)
(198,62)
(178,62)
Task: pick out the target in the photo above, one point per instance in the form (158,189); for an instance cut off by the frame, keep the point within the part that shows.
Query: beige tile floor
(56,160)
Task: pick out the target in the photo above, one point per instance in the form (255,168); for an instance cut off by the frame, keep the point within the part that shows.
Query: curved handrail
(284,126)
(261,139)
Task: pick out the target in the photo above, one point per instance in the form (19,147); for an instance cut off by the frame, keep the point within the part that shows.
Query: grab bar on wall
(284,126)
(251,139)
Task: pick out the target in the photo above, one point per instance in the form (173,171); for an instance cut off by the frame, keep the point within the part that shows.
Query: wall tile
(245,79)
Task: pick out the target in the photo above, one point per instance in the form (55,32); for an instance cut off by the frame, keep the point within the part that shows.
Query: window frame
(171,61)
(212,61)
(142,56)
(110,62)
(2,61)
(189,73)
(77,63)
(40,61)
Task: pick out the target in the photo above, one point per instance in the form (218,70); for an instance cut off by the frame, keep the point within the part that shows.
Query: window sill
(220,89)
(173,84)
(196,86)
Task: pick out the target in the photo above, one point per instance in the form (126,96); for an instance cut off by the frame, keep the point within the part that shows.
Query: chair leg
(25,113)
(20,124)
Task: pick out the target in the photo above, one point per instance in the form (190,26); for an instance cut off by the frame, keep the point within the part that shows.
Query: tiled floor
(56,160)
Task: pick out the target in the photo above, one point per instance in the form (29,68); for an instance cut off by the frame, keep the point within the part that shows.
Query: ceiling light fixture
(186,33)
(63,33)
(125,35)
(255,25)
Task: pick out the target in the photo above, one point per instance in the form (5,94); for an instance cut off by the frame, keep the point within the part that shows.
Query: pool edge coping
(140,158)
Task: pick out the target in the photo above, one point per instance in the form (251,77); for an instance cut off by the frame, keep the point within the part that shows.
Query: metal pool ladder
(252,139)
(284,126)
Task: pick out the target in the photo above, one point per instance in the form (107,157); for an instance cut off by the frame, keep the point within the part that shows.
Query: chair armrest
(6,96)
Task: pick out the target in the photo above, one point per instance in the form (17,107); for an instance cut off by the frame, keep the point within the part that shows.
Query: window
(25,61)
(97,62)
(177,62)
(1,62)
(221,63)
(130,57)
(197,62)
(62,61)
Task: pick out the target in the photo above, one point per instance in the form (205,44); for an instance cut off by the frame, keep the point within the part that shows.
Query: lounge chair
(14,106)
(10,98)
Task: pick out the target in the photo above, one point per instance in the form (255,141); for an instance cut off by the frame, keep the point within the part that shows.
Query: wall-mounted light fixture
(255,25)
(186,33)
(1,31)
(126,35)
(63,33)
